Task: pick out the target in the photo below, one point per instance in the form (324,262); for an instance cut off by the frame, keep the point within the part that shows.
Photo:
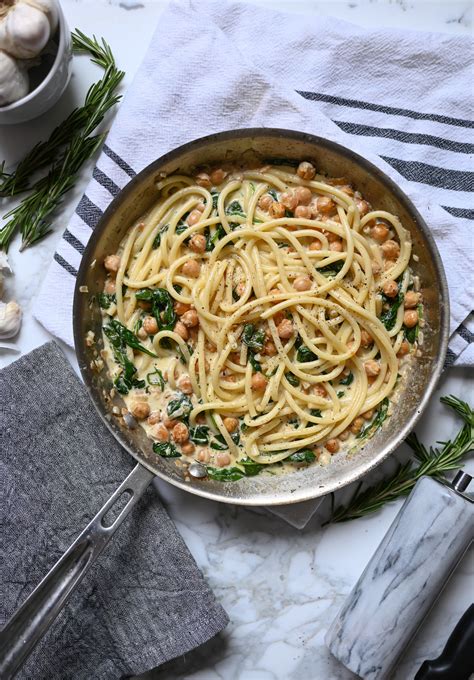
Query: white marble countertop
(281,587)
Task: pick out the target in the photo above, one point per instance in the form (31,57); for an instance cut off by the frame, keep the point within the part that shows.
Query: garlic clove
(24,31)
(14,82)
(49,8)
(10,319)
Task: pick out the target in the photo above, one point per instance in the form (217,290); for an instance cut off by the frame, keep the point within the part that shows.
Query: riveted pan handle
(31,621)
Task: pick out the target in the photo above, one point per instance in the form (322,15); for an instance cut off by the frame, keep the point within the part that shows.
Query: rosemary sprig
(434,462)
(70,145)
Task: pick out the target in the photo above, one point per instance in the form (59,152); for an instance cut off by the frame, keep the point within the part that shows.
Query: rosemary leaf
(434,462)
(70,145)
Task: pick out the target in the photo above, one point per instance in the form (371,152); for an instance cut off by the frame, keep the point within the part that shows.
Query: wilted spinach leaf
(292,379)
(162,306)
(389,317)
(347,380)
(166,450)
(105,300)
(301,456)
(180,407)
(199,435)
(371,428)
(156,378)
(253,338)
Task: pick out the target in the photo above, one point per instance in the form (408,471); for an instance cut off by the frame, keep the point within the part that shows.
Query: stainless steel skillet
(243,147)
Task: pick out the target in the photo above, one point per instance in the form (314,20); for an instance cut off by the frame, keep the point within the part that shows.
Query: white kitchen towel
(400,98)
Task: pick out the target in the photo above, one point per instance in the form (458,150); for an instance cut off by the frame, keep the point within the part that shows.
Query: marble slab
(281,587)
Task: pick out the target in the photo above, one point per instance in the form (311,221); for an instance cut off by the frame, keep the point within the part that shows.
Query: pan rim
(299,495)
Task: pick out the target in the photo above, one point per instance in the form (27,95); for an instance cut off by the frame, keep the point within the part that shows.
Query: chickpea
(149,325)
(269,349)
(325,204)
(184,384)
(404,349)
(218,176)
(336,246)
(154,418)
(376,268)
(380,232)
(203,180)
(306,170)
(140,410)
(332,445)
(201,207)
(368,415)
(181,330)
(222,459)
(278,318)
(289,200)
(344,435)
(389,264)
(372,368)
(285,329)
(363,207)
(188,449)
(319,390)
(258,382)
(191,268)
(204,456)
(193,217)
(357,425)
(160,433)
(197,243)
(277,210)
(190,319)
(366,339)
(304,212)
(303,195)
(316,244)
(180,433)
(410,318)
(230,424)
(390,288)
(390,249)
(110,287)
(302,283)
(112,263)
(181,308)
(412,299)
(167,421)
(264,202)
(347,189)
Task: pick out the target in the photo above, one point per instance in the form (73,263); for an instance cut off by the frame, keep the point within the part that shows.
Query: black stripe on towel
(467,213)
(119,161)
(450,358)
(415,171)
(465,333)
(405,137)
(65,265)
(73,241)
(106,182)
(88,212)
(357,104)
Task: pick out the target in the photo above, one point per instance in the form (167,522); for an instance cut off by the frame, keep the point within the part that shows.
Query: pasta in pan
(259,316)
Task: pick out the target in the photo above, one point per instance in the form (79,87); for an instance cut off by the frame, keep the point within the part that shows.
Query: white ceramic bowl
(47,93)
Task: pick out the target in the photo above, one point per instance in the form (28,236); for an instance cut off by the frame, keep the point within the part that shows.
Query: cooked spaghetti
(259,316)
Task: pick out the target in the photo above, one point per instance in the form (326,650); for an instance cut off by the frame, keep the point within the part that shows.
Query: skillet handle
(31,621)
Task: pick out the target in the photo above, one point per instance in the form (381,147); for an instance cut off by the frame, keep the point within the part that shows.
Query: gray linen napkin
(145,601)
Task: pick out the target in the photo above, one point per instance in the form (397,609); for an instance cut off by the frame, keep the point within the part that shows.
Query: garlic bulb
(10,319)
(14,82)
(26,26)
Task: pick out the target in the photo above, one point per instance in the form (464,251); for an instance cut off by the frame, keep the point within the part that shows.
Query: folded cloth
(145,600)
(396,97)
